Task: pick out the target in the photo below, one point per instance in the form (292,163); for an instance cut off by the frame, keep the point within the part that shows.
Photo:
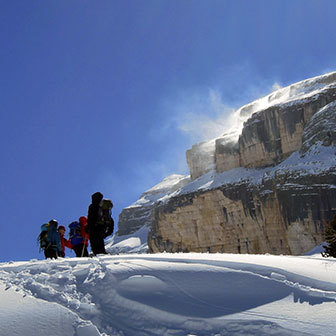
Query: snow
(169,294)
(167,186)
(133,243)
(317,160)
(294,94)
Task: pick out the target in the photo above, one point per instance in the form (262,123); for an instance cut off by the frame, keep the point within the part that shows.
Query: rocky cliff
(268,186)
(141,213)
(271,128)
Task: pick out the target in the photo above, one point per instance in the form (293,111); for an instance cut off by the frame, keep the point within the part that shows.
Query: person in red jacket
(80,247)
(78,237)
(83,223)
(64,241)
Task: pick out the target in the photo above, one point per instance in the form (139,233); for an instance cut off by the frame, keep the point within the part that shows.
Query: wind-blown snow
(293,94)
(169,294)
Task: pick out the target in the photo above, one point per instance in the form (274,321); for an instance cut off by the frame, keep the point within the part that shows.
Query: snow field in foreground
(169,294)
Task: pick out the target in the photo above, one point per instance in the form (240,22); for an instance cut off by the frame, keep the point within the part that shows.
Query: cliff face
(141,212)
(288,218)
(272,135)
(270,190)
(272,130)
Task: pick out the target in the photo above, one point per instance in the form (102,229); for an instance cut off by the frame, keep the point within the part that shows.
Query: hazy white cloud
(202,117)
(276,86)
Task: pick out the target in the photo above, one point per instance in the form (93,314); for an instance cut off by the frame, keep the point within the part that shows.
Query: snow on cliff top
(287,95)
(166,187)
(315,161)
(169,294)
(321,159)
(297,91)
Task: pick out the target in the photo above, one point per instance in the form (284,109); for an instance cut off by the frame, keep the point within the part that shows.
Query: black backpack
(43,237)
(105,216)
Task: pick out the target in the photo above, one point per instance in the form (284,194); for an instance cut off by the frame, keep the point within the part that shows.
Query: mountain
(169,294)
(266,186)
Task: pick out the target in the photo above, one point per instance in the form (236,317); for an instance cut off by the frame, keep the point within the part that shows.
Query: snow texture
(133,243)
(161,190)
(316,160)
(296,93)
(169,294)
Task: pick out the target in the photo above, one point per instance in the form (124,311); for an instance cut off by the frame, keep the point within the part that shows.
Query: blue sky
(108,95)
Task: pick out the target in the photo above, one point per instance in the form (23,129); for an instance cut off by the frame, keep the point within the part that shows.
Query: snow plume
(276,86)
(203,117)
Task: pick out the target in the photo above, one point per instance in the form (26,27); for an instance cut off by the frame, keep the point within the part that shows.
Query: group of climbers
(95,228)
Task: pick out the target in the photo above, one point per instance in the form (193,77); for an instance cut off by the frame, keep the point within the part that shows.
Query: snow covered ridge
(294,93)
(250,131)
(318,160)
(166,187)
(169,294)
(298,91)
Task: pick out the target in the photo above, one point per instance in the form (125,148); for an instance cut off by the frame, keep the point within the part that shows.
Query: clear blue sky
(94,95)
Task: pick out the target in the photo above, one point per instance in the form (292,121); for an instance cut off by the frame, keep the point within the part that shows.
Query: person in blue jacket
(51,241)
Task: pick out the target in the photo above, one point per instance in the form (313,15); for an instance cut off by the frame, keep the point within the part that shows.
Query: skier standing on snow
(96,231)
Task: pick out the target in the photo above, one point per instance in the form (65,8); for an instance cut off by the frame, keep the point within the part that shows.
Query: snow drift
(169,294)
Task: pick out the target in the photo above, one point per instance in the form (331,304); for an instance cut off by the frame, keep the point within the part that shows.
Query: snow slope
(169,294)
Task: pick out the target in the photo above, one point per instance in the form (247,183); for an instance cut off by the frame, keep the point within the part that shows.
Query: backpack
(105,216)
(49,236)
(75,234)
(43,237)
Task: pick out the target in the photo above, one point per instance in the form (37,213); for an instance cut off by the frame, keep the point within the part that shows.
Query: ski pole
(83,248)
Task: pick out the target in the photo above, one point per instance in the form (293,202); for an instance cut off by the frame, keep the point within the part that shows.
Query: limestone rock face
(288,218)
(132,219)
(267,187)
(140,214)
(227,155)
(321,128)
(272,130)
(283,209)
(201,158)
(273,134)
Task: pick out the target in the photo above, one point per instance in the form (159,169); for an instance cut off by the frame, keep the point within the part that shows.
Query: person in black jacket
(94,228)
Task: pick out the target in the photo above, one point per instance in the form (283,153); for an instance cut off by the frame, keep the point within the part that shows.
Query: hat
(82,220)
(97,197)
(61,227)
(53,222)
